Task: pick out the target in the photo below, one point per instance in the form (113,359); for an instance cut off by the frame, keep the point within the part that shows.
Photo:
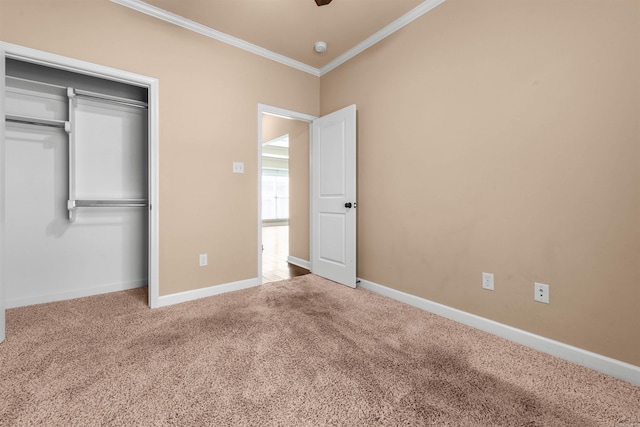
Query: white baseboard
(299,262)
(185,296)
(606,365)
(80,293)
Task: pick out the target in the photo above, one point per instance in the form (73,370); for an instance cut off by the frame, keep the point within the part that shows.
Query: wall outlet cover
(203,260)
(541,292)
(487,281)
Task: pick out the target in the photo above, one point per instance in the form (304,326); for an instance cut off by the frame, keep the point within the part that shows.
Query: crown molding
(172,18)
(405,19)
(180,21)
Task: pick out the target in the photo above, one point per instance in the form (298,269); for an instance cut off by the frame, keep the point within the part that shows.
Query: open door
(333,197)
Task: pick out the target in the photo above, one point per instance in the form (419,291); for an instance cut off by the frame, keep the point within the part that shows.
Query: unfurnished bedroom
(319,212)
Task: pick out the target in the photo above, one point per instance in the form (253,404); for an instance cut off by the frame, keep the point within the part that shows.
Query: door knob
(347,205)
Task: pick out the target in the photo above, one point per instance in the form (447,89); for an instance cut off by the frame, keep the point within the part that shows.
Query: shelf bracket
(70,129)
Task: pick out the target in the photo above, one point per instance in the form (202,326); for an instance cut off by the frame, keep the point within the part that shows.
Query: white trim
(259,215)
(606,365)
(2,187)
(185,296)
(52,60)
(286,114)
(180,21)
(299,262)
(405,19)
(81,293)
(153,92)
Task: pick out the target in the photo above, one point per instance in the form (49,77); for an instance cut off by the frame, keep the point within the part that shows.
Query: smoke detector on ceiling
(320,47)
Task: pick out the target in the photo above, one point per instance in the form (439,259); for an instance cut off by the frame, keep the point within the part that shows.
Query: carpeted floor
(302,352)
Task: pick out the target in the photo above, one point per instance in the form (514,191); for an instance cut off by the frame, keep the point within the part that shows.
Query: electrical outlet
(541,292)
(203,260)
(487,281)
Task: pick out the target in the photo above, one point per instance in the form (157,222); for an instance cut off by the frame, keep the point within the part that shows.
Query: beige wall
(273,127)
(209,92)
(493,136)
(504,137)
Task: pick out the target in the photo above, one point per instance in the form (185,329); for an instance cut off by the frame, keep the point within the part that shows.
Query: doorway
(333,196)
(284,197)
(275,206)
(331,191)
(283,183)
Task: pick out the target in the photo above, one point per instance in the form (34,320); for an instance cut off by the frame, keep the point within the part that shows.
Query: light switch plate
(238,167)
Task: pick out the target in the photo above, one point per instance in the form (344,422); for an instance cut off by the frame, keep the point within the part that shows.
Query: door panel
(333,252)
(331,160)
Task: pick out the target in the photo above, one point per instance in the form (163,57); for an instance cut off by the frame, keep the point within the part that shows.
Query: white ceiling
(286,30)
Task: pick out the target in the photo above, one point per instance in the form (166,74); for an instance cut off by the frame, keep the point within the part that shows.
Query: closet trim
(2,192)
(47,59)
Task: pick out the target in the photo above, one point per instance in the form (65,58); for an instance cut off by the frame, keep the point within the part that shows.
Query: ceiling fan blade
(322,2)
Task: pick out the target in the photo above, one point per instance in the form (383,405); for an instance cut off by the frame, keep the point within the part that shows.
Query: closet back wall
(209,92)
(48,256)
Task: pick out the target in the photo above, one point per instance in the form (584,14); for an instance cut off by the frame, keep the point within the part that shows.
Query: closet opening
(76,185)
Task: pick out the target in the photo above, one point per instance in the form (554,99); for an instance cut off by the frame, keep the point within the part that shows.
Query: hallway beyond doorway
(275,243)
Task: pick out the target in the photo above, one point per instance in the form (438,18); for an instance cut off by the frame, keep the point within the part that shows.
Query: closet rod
(88,94)
(9,78)
(35,121)
(122,203)
(110,98)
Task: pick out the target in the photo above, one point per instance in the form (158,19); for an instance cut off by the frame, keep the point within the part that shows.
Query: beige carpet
(303,352)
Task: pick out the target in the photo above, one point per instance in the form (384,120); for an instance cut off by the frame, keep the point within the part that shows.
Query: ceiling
(291,27)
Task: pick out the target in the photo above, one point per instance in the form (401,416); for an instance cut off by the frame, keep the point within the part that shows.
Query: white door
(333,197)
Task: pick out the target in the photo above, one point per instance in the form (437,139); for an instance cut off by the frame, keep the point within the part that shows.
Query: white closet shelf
(69,126)
(36,121)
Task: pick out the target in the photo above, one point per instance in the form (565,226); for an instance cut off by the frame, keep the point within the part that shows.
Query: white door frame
(8,50)
(287,114)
